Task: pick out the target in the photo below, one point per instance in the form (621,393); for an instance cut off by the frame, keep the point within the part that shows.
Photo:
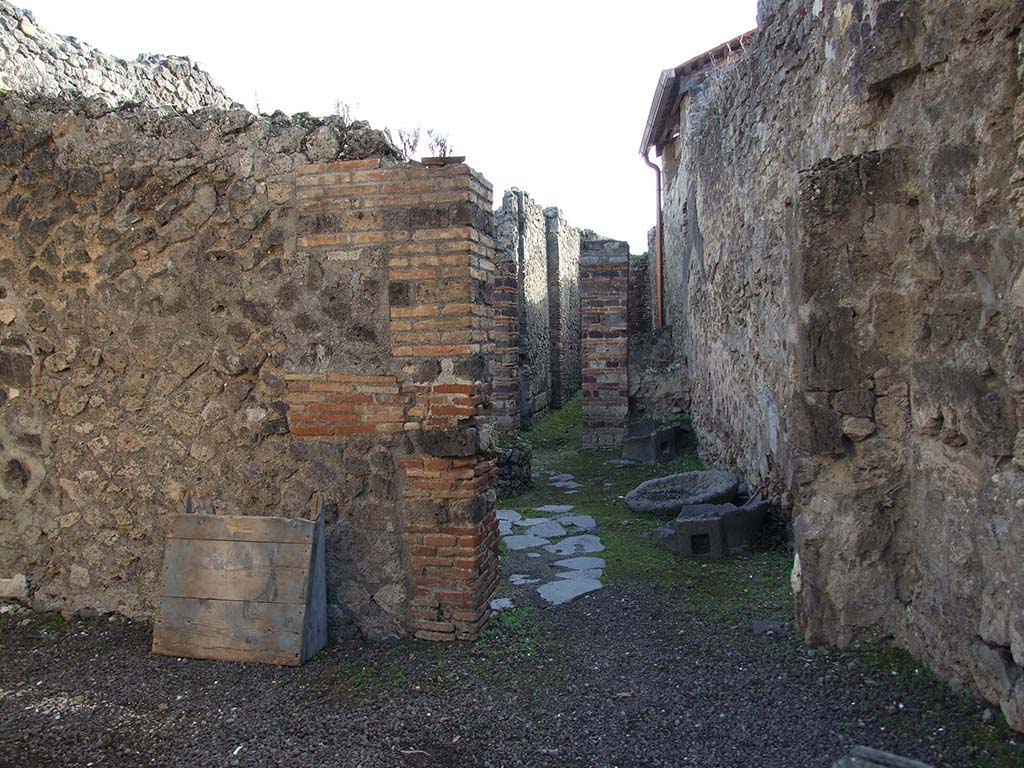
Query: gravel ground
(622,677)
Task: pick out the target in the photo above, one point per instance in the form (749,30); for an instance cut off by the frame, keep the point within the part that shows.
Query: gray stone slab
(555,509)
(586,522)
(564,590)
(531,521)
(501,603)
(549,530)
(576,545)
(568,484)
(581,563)
(521,579)
(563,476)
(504,528)
(507,514)
(589,573)
(533,554)
(570,493)
(524,542)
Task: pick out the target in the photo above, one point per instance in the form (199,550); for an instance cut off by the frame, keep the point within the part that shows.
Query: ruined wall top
(39,63)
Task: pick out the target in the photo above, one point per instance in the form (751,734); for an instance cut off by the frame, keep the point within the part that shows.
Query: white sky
(551,97)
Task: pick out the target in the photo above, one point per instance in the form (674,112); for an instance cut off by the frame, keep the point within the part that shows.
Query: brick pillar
(430,230)
(604,287)
(505,394)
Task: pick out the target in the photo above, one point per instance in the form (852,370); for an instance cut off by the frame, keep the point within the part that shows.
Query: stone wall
(191,308)
(844,252)
(563,253)
(38,63)
(604,290)
(537,310)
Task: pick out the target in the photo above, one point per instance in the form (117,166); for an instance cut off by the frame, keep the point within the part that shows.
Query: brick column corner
(604,289)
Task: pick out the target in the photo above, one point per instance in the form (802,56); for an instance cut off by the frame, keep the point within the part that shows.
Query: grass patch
(732,589)
(996,744)
(515,632)
(560,428)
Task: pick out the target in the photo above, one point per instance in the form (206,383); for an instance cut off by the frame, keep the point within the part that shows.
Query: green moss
(996,745)
(558,429)
(732,589)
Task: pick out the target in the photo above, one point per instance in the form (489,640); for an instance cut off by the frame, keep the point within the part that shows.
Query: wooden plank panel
(314,635)
(240,528)
(236,570)
(229,630)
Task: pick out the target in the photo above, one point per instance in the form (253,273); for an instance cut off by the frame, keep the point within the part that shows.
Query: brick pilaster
(432,228)
(604,284)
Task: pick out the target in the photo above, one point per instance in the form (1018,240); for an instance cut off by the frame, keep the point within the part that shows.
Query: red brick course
(430,226)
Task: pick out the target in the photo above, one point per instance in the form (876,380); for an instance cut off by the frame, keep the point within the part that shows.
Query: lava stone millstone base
(665,496)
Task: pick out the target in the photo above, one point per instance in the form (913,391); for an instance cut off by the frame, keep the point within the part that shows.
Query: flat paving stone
(564,590)
(501,603)
(576,545)
(570,484)
(563,476)
(555,509)
(521,579)
(531,521)
(533,554)
(549,530)
(504,528)
(589,573)
(586,522)
(525,541)
(508,514)
(581,563)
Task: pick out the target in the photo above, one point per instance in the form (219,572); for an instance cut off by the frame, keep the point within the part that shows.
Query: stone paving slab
(509,515)
(531,521)
(555,509)
(548,530)
(576,545)
(581,563)
(564,590)
(501,604)
(586,522)
(521,579)
(504,528)
(587,573)
(563,476)
(525,541)
(570,484)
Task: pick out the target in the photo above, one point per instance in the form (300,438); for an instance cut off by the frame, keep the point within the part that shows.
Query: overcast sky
(551,97)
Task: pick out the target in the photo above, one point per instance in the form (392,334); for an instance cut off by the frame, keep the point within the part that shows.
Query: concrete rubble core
(844,286)
(245,311)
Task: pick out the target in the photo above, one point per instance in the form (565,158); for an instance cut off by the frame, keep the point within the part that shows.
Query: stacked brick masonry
(505,394)
(537,311)
(604,280)
(429,227)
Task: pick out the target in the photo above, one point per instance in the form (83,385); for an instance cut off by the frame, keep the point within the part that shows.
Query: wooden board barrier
(243,588)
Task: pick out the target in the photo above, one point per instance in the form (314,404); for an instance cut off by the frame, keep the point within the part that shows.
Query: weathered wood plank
(314,634)
(240,528)
(229,630)
(267,572)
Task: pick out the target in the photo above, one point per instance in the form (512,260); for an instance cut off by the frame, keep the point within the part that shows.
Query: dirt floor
(673,662)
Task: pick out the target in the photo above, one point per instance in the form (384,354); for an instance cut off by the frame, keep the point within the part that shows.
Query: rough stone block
(713,529)
(14,588)
(656,445)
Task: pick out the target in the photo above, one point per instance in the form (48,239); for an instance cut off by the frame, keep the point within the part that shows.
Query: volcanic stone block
(656,445)
(713,529)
